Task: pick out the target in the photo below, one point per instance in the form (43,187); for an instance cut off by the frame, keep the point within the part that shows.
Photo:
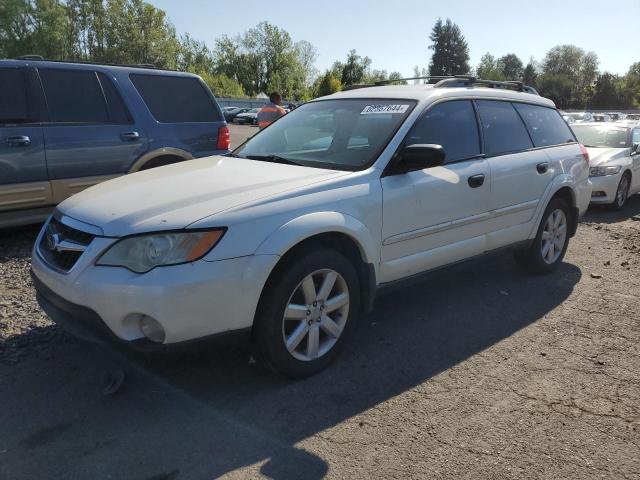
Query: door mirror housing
(420,156)
(635,148)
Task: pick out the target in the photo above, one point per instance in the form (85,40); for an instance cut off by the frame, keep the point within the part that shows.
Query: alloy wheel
(554,236)
(622,192)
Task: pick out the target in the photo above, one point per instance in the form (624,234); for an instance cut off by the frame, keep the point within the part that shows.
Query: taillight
(584,152)
(224,138)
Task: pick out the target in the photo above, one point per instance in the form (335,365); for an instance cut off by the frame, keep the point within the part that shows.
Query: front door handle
(130,136)
(18,141)
(476,181)
(542,167)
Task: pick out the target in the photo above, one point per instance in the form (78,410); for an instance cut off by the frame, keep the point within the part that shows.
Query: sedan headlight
(602,171)
(142,253)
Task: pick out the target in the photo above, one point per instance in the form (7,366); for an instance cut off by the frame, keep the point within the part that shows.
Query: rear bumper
(84,323)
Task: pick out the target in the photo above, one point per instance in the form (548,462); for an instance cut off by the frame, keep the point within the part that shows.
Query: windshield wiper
(273,159)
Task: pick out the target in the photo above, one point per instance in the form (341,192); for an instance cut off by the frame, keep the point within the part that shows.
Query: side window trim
(524,124)
(101,76)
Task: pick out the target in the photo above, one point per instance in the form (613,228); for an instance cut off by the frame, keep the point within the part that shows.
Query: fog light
(152,329)
(598,194)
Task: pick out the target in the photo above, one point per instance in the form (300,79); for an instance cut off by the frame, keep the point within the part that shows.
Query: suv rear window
(502,127)
(176,99)
(545,125)
(74,96)
(13,97)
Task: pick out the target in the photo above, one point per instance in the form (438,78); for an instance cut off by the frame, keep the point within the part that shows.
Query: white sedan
(614,151)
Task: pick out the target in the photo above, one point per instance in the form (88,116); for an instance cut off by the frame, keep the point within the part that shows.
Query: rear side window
(118,113)
(545,125)
(502,128)
(176,99)
(450,124)
(14,107)
(635,136)
(74,96)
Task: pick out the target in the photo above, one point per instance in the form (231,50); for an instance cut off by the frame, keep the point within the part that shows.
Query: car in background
(632,117)
(67,126)
(614,152)
(567,118)
(616,116)
(286,241)
(601,117)
(233,112)
(577,117)
(247,118)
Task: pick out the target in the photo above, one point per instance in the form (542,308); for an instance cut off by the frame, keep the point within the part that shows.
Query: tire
(622,192)
(278,321)
(545,254)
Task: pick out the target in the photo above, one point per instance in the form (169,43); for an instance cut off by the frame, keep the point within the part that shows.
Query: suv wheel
(307,312)
(623,191)
(551,242)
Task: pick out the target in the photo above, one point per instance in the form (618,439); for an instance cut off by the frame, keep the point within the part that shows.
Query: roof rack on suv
(451,81)
(40,58)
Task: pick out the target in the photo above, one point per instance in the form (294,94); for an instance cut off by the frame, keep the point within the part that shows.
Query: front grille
(55,254)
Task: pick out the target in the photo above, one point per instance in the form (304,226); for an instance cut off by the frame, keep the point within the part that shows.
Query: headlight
(142,253)
(602,171)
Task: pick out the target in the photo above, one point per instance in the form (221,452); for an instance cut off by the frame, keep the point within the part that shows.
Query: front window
(344,134)
(603,136)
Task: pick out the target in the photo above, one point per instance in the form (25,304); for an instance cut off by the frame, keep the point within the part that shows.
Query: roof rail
(430,77)
(472,81)
(40,58)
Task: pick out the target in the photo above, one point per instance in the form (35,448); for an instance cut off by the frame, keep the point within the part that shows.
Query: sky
(394,33)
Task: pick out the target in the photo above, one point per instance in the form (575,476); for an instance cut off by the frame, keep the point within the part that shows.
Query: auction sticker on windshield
(370,109)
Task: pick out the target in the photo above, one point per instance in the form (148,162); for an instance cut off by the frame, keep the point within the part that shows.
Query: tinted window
(176,99)
(74,96)
(115,106)
(452,125)
(13,97)
(545,125)
(502,128)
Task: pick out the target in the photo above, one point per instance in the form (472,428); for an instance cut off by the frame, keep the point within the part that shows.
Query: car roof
(424,92)
(140,69)
(606,124)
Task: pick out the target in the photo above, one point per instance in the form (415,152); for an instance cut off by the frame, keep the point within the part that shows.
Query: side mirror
(635,148)
(420,156)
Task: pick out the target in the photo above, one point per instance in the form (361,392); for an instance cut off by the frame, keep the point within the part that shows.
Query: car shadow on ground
(204,414)
(606,214)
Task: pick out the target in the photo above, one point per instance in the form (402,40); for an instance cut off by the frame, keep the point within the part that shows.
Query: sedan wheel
(316,315)
(623,191)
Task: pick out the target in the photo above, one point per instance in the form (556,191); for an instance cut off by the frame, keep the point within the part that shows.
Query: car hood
(178,195)
(599,156)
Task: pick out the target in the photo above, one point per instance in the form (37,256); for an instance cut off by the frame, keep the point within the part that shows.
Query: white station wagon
(289,238)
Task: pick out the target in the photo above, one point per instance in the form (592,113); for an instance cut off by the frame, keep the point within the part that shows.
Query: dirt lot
(480,371)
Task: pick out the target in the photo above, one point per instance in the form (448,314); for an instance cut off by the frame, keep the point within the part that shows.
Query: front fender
(306,226)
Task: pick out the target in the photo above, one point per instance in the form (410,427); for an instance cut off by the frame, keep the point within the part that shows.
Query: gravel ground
(479,371)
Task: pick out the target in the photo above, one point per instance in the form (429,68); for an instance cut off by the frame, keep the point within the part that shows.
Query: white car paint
(629,163)
(401,224)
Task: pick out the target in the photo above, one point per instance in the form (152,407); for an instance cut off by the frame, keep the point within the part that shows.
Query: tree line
(266,58)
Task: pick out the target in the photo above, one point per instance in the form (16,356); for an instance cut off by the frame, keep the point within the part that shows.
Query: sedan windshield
(344,134)
(602,136)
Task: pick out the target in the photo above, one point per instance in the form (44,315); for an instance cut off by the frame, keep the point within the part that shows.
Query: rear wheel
(307,312)
(622,193)
(551,242)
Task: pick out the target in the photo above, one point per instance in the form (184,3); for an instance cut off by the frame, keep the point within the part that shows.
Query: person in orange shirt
(271,111)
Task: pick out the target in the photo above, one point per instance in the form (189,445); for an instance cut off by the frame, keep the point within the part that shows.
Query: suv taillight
(224,138)
(584,152)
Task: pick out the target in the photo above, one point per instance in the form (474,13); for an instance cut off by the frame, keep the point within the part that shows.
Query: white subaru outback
(289,238)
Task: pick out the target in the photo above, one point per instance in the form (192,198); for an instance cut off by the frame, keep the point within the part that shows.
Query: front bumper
(190,301)
(604,188)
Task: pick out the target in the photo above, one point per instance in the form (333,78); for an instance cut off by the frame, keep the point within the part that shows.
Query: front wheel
(622,193)
(307,312)
(551,242)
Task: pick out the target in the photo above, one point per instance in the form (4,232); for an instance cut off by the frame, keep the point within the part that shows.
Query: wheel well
(343,244)
(566,194)
(161,161)
(628,172)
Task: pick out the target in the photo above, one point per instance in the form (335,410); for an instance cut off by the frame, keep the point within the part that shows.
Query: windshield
(344,134)
(602,136)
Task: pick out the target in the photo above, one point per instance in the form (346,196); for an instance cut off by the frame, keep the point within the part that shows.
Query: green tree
(327,84)
(355,70)
(450,50)
(558,87)
(530,74)
(510,66)
(568,62)
(222,86)
(608,92)
(488,68)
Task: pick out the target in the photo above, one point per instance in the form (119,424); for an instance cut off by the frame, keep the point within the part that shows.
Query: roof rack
(40,58)
(451,81)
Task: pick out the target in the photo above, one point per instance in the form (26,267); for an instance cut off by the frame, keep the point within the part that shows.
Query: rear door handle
(542,167)
(130,136)
(18,141)
(476,181)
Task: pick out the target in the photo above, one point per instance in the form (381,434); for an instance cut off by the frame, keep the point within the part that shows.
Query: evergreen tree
(530,75)
(450,50)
